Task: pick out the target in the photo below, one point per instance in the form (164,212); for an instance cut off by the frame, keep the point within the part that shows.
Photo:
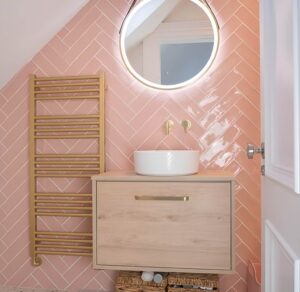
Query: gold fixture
(186,124)
(169,124)
(63,165)
(162,198)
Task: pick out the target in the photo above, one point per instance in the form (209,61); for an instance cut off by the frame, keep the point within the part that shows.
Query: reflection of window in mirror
(180,62)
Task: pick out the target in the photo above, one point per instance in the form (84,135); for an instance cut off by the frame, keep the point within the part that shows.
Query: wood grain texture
(161,233)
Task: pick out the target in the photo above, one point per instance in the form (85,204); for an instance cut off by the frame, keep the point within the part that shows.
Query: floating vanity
(172,224)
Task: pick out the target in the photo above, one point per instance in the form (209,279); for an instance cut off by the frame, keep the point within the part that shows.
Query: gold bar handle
(184,198)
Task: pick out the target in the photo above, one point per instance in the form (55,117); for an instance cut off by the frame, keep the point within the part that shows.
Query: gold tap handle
(186,124)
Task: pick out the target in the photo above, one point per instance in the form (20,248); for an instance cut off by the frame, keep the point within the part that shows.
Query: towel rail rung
(58,214)
(53,207)
(66,156)
(62,233)
(61,117)
(40,239)
(67,162)
(81,123)
(60,246)
(63,175)
(57,169)
(39,93)
(63,253)
(41,98)
(52,84)
(66,136)
(54,130)
(61,195)
(63,202)
(58,78)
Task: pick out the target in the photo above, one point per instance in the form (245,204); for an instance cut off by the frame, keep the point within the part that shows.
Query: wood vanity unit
(171,224)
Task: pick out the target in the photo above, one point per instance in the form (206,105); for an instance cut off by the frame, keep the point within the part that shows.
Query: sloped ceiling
(26,26)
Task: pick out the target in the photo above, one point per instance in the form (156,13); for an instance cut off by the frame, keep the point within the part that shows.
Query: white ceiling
(26,26)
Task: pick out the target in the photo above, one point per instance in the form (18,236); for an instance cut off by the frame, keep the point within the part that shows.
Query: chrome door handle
(251,150)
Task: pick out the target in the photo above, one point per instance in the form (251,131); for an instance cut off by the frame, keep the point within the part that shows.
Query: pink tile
(249,202)
(49,266)
(252,6)
(252,75)
(63,32)
(226,78)
(227,282)
(250,240)
(249,128)
(249,56)
(142,115)
(17,101)
(30,281)
(249,184)
(115,101)
(246,254)
(249,90)
(15,195)
(77,64)
(44,65)
(55,58)
(251,221)
(230,26)
(118,157)
(17,257)
(81,43)
(120,138)
(43,279)
(251,20)
(246,34)
(241,286)
(228,11)
(58,45)
(229,45)
(109,10)
(153,124)
(249,110)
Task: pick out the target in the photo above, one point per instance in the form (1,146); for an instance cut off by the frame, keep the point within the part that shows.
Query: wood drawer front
(164,233)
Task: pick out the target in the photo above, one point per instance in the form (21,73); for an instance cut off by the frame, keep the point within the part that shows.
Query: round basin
(166,162)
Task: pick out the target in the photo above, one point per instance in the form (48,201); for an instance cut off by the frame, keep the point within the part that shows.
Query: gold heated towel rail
(51,127)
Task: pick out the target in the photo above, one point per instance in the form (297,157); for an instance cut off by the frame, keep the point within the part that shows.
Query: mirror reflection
(169,43)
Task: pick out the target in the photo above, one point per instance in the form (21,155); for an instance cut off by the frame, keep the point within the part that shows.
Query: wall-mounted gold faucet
(169,124)
(186,124)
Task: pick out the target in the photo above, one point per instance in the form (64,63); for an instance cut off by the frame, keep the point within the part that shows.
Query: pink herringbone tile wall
(224,108)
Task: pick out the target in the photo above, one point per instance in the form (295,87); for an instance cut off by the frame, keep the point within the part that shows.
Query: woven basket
(132,282)
(179,282)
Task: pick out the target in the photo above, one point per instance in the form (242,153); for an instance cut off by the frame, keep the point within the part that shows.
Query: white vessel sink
(166,162)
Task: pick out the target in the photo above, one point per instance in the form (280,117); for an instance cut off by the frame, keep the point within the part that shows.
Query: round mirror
(168,44)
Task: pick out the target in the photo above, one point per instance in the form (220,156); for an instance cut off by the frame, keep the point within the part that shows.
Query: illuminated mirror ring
(168,44)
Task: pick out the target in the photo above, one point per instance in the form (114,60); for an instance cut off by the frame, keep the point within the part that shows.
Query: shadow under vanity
(167,224)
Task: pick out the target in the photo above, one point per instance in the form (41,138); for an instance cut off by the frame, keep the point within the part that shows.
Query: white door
(280,53)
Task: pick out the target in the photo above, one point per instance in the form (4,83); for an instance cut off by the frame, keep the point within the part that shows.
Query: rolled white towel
(147,276)
(158,278)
